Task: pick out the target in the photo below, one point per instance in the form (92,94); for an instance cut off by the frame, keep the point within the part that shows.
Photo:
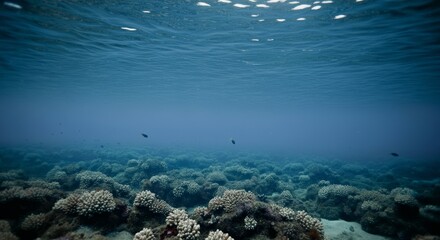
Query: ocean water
(331,107)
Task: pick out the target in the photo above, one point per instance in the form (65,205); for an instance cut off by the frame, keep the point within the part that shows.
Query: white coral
(67,205)
(308,222)
(218,235)
(188,229)
(200,211)
(285,212)
(95,202)
(147,199)
(175,217)
(250,223)
(144,234)
(231,199)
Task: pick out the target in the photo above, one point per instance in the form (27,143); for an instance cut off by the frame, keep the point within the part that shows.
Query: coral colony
(214,196)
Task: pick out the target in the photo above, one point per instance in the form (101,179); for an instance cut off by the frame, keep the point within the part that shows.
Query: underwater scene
(219,119)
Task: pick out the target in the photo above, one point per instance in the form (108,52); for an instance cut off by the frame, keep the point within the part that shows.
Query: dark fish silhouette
(232,141)
(394,154)
(102,146)
(144,135)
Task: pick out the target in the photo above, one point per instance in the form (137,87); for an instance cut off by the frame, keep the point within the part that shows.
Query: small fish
(232,141)
(394,154)
(144,135)
(102,146)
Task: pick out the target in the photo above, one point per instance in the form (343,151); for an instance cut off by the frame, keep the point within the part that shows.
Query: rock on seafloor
(343,230)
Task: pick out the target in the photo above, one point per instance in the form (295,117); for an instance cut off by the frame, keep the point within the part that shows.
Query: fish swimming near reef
(232,141)
(394,154)
(144,135)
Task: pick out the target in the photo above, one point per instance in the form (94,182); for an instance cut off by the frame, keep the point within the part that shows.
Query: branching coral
(90,179)
(309,223)
(200,211)
(148,200)
(406,200)
(187,229)
(371,206)
(95,202)
(178,191)
(250,223)
(68,205)
(176,216)
(192,187)
(231,200)
(160,181)
(34,222)
(336,190)
(218,235)
(144,234)
(30,193)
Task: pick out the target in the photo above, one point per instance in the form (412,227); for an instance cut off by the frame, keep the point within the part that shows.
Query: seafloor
(174,194)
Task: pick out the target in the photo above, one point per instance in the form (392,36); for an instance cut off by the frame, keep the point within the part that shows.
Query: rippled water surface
(230,54)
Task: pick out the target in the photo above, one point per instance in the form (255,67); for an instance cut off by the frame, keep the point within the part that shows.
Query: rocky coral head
(314,234)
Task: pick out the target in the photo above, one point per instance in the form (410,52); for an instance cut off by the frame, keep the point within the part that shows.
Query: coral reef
(241,208)
(225,196)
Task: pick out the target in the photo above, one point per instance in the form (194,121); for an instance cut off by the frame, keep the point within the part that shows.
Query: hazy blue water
(366,83)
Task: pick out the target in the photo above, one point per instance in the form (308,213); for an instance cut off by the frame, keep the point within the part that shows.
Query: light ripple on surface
(382,50)
(239,5)
(12,5)
(301,7)
(203,4)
